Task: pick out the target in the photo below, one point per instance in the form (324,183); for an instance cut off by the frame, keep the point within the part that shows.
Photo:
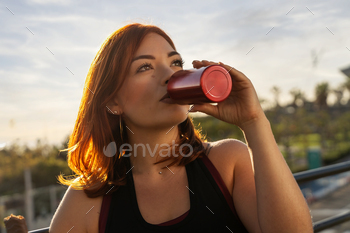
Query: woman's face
(146,83)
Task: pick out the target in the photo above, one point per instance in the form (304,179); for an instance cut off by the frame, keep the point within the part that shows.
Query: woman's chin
(174,119)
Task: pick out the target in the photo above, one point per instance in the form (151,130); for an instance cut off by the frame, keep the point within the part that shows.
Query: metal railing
(317,173)
(302,177)
(313,174)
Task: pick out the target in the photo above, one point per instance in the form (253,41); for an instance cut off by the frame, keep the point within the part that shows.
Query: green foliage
(215,129)
(44,162)
(298,128)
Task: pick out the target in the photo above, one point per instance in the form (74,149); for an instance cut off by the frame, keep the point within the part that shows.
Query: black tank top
(209,210)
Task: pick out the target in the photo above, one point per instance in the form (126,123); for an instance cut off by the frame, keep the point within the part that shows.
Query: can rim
(206,73)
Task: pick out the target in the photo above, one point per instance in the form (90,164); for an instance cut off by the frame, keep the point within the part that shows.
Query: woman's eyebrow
(172,53)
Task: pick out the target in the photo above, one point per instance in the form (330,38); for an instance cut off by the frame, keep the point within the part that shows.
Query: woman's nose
(166,74)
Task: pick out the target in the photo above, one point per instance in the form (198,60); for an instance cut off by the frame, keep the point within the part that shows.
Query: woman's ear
(112,107)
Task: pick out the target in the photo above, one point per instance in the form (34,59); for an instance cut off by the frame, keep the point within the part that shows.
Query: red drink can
(209,84)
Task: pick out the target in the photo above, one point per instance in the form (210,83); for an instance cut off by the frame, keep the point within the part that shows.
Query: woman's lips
(165,96)
(168,101)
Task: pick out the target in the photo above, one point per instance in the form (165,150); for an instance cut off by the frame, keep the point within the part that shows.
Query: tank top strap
(219,181)
(106,202)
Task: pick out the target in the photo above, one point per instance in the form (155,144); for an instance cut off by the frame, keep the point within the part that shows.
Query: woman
(219,186)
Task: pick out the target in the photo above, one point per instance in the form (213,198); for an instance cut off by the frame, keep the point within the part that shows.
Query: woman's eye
(148,66)
(141,69)
(178,63)
(145,67)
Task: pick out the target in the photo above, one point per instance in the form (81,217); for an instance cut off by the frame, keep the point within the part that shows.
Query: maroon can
(209,84)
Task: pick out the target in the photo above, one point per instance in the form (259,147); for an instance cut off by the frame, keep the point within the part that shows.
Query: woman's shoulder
(225,150)
(224,155)
(76,210)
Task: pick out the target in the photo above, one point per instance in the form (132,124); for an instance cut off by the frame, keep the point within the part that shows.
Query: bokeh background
(47,46)
(297,54)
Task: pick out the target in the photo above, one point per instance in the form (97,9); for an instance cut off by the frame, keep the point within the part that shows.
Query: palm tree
(347,86)
(346,71)
(298,97)
(339,93)
(321,92)
(276,91)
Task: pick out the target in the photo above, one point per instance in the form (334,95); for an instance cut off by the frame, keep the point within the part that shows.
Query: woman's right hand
(241,107)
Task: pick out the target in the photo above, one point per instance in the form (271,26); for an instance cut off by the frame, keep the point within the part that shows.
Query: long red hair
(95,128)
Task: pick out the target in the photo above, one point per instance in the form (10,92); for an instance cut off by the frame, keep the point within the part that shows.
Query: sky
(47,46)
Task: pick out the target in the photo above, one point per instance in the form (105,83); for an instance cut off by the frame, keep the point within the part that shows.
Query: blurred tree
(298,97)
(45,166)
(276,91)
(343,126)
(215,129)
(339,93)
(347,86)
(321,93)
(321,121)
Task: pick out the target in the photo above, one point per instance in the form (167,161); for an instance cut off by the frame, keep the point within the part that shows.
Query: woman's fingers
(236,74)
(198,64)
(233,71)
(239,76)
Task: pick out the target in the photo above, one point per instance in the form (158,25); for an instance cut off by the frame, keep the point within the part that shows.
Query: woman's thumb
(205,108)
(193,108)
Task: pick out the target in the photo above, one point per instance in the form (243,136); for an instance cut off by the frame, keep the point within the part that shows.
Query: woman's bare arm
(279,205)
(267,196)
(71,213)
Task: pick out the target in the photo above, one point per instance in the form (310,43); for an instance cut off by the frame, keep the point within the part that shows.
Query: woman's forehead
(153,43)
